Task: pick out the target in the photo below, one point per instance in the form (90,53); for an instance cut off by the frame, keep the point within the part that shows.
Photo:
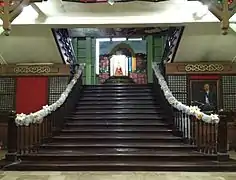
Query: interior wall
(29,44)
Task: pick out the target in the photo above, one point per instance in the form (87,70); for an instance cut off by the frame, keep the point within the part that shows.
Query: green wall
(155,49)
(85,52)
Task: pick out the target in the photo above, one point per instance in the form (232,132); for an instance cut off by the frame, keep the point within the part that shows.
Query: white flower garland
(37,117)
(190,110)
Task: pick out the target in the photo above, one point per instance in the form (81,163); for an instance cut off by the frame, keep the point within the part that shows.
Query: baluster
(210,139)
(193,131)
(188,128)
(215,132)
(222,138)
(202,135)
(198,133)
(12,138)
(207,138)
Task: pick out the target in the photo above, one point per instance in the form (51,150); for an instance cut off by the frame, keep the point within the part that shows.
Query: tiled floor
(115,176)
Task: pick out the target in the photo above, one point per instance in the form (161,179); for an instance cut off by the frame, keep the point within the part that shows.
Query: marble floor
(115,176)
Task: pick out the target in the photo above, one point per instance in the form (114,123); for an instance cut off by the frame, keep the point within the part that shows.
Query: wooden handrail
(26,139)
(209,138)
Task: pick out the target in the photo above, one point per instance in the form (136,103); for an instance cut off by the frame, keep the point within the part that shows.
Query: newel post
(222,141)
(12,138)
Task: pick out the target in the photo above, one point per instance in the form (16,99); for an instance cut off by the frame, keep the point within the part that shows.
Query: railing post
(222,151)
(12,138)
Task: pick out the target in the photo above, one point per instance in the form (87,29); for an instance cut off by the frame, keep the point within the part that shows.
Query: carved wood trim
(201,68)
(35,70)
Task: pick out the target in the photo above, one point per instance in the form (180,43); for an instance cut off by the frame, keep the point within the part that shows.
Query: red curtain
(31,94)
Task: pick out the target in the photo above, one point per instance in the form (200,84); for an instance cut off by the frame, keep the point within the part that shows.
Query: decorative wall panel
(229,92)
(56,86)
(7,94)
(178,86)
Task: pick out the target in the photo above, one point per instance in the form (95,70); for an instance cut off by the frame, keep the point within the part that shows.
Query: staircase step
(101,91)
(116,117)
(118,94)
(118,106)
(128,98)
(118,138)
(126,111)
(127,102)
(116,123)
(200,166)
(116,129)
(115,155)
(117,87)
(112,132)
(130,145)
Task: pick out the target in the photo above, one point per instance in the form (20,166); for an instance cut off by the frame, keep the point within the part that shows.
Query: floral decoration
(189,110)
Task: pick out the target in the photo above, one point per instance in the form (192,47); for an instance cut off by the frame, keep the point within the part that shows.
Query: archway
(120,60)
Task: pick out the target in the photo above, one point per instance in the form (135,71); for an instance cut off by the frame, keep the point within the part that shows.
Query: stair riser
(110,90)
(140,98)
(121,87)
(97,140)
(105,125)
(115,107)
(110,117)
(115,133)
(123,158)
(118,94)
(119,112)
(122,148)
(128,102)
(122,167)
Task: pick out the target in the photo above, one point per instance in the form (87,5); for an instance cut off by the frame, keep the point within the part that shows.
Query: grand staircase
(117,127)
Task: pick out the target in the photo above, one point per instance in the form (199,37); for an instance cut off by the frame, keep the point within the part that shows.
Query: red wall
(31,94)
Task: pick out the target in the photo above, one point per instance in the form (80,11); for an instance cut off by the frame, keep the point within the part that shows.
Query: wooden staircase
(117,127)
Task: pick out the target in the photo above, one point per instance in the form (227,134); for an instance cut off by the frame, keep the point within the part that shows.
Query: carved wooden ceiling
(117,32)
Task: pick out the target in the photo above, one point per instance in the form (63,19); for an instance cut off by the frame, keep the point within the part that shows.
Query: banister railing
(208,133)
(25,137)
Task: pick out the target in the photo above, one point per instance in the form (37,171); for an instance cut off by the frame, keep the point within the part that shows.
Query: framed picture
(205,94)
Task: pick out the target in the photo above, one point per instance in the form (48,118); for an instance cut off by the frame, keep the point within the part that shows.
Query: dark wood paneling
(35,70)
(3,129)
(203,68)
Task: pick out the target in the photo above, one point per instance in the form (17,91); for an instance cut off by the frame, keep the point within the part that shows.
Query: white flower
(215,118)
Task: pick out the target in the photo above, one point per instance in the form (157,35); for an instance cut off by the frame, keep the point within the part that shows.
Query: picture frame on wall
(205,94)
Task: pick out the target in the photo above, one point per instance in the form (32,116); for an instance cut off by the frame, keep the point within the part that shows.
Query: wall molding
(35,70)
(201,67)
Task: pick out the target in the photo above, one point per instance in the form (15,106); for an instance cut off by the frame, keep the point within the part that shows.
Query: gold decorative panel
(32,69)
(204,67)
(35,70)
